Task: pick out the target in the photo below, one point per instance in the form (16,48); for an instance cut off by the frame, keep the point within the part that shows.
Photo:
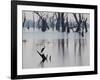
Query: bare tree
(62,22)
(44,22)
(33,21)
(85,25)
(24,19)
(58,21)
(79,22)
(67,24)
(52,21)
(39,23)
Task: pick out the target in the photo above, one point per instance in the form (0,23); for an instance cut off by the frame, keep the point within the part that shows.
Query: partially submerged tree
(44,22)
(67,25)
(78,21)
(33,21)
(52,21)
(58,21)
(24,19)
(81,23)
(62,22)
(85,24)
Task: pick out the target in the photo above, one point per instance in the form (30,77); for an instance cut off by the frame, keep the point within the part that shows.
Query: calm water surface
(62,49)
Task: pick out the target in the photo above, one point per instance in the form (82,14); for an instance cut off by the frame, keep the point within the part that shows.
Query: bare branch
(74,14)
(80,19)
(38,14)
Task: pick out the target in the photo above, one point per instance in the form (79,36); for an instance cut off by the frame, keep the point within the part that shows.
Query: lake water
(63,49)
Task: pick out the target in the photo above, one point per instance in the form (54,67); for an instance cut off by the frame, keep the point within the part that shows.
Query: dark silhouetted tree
(85,25)
(81,23)
(62,22)
(58,22)
(78,21)
(67,25)
(52,22)
(33,21)
(44,22)
(24,19)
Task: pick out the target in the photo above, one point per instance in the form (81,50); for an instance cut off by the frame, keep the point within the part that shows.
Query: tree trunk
(78,22)
(85,25)
(58,23)
(62,22)
(24,20)
(44,23)
(33,22)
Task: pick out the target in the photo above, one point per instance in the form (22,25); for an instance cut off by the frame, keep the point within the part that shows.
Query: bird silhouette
(43,56)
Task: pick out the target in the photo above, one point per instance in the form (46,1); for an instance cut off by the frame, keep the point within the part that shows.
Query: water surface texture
(61,50)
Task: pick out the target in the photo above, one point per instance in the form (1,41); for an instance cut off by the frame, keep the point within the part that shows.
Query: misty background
(64,38)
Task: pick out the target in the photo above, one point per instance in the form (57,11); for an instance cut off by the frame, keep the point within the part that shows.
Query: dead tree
(78,21)
(44,22)
(62,22)
(81,23)
(39,23)
(67,25)
(33,21)
(85,25)
(28,26)
(58,22)
(24,19)
(52,22)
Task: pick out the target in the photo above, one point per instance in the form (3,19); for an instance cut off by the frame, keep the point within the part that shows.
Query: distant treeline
(58,21)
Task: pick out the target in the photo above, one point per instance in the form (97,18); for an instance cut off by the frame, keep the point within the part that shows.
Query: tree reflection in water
(61,52)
